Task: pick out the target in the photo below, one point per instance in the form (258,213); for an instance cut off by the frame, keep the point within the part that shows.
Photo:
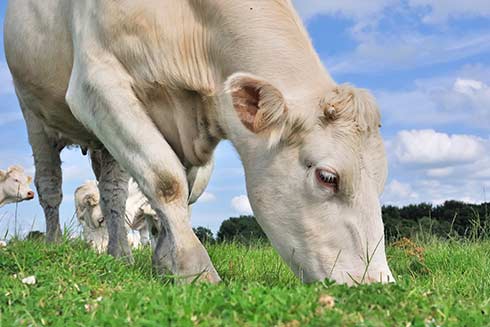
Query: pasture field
(438,284)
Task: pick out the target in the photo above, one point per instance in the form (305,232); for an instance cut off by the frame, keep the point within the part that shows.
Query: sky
(426,61)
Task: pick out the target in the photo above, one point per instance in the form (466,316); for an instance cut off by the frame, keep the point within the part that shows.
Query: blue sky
(426,61)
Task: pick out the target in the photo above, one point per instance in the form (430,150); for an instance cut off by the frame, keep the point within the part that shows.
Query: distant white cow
(14,186)
(139,214)
(90,216)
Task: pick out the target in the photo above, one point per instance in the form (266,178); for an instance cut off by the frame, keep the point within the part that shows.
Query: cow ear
(90,200)
(15,168)
(3,175)
(259,105)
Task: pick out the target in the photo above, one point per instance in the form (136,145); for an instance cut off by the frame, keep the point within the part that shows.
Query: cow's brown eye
(327,178)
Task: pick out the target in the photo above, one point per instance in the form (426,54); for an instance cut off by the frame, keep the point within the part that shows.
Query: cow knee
(49,189)
(168,188)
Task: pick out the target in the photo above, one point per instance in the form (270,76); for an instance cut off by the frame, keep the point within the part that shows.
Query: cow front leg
(113,188)
(101,96)
(48,177)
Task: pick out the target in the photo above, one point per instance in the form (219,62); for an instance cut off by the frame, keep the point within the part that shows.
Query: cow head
(315,169)
(89,212)
(14,185)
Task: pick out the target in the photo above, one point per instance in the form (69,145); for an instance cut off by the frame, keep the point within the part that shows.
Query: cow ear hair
(260,106)
(90,200)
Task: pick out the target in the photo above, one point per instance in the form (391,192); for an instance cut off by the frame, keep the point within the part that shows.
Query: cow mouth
(327,178)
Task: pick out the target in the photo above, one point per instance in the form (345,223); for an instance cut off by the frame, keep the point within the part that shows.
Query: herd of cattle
(140,219)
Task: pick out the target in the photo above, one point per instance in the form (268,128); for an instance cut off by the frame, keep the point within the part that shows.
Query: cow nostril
(30,195)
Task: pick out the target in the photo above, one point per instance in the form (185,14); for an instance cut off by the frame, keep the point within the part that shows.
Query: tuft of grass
(438,284)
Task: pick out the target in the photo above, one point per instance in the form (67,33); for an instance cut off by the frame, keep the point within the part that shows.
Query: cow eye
(328,178)
(16,180)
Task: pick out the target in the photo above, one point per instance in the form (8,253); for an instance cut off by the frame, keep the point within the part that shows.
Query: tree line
(447,220)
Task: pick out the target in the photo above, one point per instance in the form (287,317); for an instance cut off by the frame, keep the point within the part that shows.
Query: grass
(438,284)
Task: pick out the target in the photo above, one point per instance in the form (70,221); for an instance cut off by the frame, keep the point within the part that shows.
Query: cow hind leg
(48,176)
(113,188)
(105,102)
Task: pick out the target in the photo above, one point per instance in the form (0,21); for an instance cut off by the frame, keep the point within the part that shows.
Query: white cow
(157,84)
(14,186)
(89,214)
(94,229)
(140,218)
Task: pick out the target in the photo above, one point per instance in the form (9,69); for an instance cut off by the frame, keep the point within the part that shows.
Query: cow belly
(55,115)
(39,51)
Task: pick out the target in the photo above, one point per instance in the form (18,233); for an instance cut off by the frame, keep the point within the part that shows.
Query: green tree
(243,229)
(205,235)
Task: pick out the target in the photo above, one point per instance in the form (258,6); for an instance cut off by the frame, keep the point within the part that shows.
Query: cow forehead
(14,174)
(355,120)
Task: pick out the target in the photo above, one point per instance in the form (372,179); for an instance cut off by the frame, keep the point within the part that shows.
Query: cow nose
(30,195)
(383,277)
(101,221)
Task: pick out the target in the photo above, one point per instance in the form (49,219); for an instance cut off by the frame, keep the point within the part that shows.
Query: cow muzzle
(30,195)
(363,277)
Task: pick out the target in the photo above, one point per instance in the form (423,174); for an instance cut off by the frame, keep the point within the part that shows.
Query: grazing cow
(138,213)
(14,186)
(89,214)
(157,84)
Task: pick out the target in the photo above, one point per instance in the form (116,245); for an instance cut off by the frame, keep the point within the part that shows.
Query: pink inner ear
(246,102)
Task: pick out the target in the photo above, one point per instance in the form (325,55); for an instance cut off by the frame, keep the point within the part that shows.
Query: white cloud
(395,50)
(430,11)
(77,173)
(399,193)
(464,101)
(241,205)
(6,85)
(348,8)
(388,36)
(441,11)
(468,86)
(428,147)
(10,117)
(429,166)
(440,172)
(207,197)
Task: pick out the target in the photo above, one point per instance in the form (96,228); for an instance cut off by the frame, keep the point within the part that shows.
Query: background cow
(156,85)
(89,214)
(14,186)
(94,228)
(140,218)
